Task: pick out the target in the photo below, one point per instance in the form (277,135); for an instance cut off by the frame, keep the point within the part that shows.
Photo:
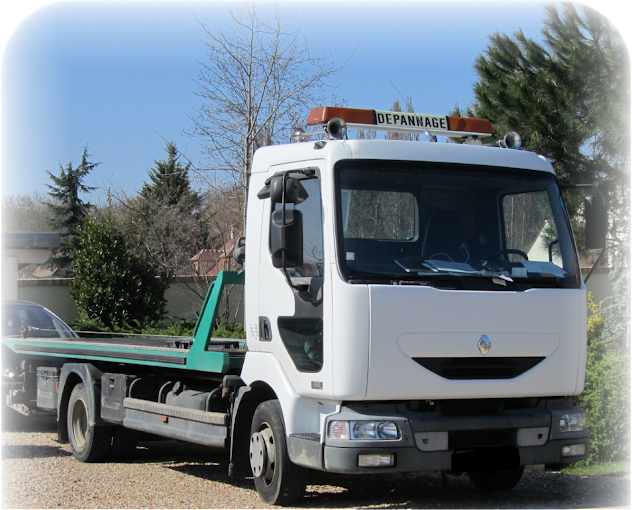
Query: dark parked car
(20,318)
(25,319)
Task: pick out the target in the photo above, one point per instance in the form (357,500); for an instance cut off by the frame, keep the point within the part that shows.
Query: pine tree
(569,99)
(167,223)
(169,182)
(68,210)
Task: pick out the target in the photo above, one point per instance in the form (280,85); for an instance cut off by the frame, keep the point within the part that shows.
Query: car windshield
(40,323)
(485,227)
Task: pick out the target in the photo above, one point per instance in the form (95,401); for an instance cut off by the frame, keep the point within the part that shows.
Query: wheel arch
(246,401)
(71,375)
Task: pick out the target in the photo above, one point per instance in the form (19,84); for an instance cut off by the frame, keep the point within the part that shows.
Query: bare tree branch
(259,77)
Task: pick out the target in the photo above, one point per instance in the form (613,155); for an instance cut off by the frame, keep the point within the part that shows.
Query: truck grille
(478,368)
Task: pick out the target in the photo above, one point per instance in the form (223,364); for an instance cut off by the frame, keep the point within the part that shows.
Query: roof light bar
(401,122)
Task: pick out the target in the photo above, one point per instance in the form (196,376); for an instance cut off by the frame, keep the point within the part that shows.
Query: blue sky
(120,76)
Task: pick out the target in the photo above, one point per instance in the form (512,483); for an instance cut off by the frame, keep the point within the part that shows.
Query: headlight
(387,430)
(364,430)
(572,422)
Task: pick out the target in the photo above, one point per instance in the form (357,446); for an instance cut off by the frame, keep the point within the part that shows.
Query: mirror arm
(283,204)
(287,275)
(551,244)
(594,266)
(593,186)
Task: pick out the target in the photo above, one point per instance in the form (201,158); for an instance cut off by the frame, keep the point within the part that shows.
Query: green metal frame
(200,358)
(197,358)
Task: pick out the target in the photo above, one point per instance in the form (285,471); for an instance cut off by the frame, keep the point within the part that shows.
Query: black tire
(88,443)
(496,480)
(278,481)
(124,443)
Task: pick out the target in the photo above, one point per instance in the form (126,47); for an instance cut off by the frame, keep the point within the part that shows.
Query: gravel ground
(38,472)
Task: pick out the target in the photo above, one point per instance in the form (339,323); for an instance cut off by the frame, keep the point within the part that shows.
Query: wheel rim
(263,454)
(79,423)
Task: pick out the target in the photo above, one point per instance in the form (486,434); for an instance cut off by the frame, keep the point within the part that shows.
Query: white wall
(9,278)
(598,283)
(54,294)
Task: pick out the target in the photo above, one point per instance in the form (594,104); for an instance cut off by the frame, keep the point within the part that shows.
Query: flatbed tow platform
(200,353)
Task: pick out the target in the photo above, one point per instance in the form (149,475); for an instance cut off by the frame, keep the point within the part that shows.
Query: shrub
(606,395)
(114,288)
(174,329)
(228,329)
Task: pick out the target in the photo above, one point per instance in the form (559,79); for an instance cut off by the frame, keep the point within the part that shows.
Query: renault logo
(484,345)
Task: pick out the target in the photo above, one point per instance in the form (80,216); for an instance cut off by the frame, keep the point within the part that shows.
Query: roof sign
(402,121)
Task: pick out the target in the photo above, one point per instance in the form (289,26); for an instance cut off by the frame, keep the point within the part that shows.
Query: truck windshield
(452,225)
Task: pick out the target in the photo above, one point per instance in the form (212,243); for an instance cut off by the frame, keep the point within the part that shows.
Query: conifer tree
(569,98)
(68,210)
(166,222)
(169,182)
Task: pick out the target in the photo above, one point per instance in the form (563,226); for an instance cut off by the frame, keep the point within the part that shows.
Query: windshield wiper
(438,280)
(368,279)
(457,281)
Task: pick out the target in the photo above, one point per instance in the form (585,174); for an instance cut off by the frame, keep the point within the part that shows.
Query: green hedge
(228,329)
(94,328)
(606,395)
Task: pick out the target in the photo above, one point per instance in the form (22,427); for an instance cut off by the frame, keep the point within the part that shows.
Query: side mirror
(239,254)
(596,218)
(286,239)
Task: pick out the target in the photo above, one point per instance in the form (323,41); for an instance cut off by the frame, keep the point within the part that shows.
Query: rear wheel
(496,480)
(278,481)
(87,442)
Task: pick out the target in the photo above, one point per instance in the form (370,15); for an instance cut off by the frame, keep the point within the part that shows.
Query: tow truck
(409,306)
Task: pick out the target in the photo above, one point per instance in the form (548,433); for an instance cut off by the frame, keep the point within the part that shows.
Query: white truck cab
(414,305)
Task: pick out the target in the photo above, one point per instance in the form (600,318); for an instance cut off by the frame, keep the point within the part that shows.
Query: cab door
(292,286)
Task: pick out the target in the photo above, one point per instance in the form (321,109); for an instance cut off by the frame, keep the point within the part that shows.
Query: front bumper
(432,441)
(409,459)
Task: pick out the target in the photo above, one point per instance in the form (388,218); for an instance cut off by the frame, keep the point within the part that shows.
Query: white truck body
(409,306)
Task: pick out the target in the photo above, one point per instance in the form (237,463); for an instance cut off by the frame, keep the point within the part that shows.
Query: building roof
(211,262)
(31,240)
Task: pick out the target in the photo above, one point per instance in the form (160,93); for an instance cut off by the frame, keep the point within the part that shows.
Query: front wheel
(496,480)
(278,481)
(87,442)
